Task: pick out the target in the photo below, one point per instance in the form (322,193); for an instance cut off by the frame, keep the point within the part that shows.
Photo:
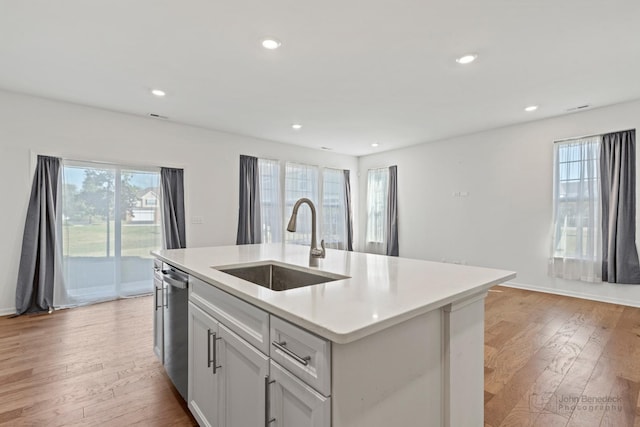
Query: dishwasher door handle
(175,280)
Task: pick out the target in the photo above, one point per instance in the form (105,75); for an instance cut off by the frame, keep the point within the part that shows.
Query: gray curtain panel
(249,223)
(173,215)
(36,273)
(347,195)
(618,180)
(392,213)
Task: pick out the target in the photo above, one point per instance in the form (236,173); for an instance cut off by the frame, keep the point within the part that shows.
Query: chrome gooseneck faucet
(315,252)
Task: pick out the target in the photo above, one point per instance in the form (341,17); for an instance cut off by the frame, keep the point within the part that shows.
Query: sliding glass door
(110,222)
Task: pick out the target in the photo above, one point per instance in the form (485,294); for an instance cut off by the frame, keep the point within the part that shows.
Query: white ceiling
(352,72)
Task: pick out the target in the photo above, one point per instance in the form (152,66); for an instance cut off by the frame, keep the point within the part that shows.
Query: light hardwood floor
(558,361)
(95,365)
(86,366)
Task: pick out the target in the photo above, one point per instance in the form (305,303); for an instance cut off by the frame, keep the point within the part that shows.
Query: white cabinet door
(203,382)
(294,403)
(158,326)
(243,376)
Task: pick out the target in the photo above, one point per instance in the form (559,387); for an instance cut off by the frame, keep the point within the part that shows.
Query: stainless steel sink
(279,277)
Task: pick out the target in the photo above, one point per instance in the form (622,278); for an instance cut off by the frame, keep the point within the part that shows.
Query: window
(576,220)
(150,201)
(377,194)
(300,181)
(334,211)
(325,187)
(270,203)
(109,226)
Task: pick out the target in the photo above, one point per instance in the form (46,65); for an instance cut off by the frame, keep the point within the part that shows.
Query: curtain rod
(117,164)
(590,136)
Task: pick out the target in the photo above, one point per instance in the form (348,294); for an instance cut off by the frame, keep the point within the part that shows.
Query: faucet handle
(318,252)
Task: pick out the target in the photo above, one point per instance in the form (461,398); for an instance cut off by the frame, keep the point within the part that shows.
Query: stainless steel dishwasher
(176,329)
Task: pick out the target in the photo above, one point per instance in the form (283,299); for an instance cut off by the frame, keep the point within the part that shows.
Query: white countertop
(380,291)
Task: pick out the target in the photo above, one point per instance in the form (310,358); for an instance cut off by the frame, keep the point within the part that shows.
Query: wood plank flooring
(549,361)
(87,366)
(558,361)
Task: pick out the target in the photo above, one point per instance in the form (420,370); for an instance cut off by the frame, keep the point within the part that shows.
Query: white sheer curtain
(300,181)
(377,189)
(334,212)
(576,253)
(110,223)
(270,200)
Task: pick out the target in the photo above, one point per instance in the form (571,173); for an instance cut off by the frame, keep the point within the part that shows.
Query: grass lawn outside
(91,240)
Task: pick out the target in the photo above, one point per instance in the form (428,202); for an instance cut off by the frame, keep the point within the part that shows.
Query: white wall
(505,221)
(30,126)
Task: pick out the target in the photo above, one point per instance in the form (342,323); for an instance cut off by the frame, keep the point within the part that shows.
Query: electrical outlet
(197,220)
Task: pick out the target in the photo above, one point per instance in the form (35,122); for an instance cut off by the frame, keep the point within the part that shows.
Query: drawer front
(293,403)
(247,321)
(305,355)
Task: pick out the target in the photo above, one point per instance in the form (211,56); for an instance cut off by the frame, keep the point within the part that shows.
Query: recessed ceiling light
(375,144)
(296,126)
(467,59)
(531,108)
(271,44)
(158,92)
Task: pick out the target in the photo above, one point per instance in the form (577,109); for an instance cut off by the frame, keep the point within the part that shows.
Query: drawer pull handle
(281,346)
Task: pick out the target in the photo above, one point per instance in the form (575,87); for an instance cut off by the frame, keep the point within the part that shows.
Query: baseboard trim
(7,311)
(567,293)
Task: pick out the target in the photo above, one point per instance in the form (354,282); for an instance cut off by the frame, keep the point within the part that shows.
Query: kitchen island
(405,337)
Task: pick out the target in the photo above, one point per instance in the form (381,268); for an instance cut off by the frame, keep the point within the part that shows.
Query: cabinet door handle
(214,362)
(281,346)
(209,334)
(267,401)
(166,296)
(156,298)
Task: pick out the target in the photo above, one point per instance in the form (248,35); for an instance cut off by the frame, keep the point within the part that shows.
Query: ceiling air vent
(581,107)
(158,116)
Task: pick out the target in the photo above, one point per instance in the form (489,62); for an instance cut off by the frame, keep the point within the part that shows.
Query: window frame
(563,197)
(380,237)
(318,203)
